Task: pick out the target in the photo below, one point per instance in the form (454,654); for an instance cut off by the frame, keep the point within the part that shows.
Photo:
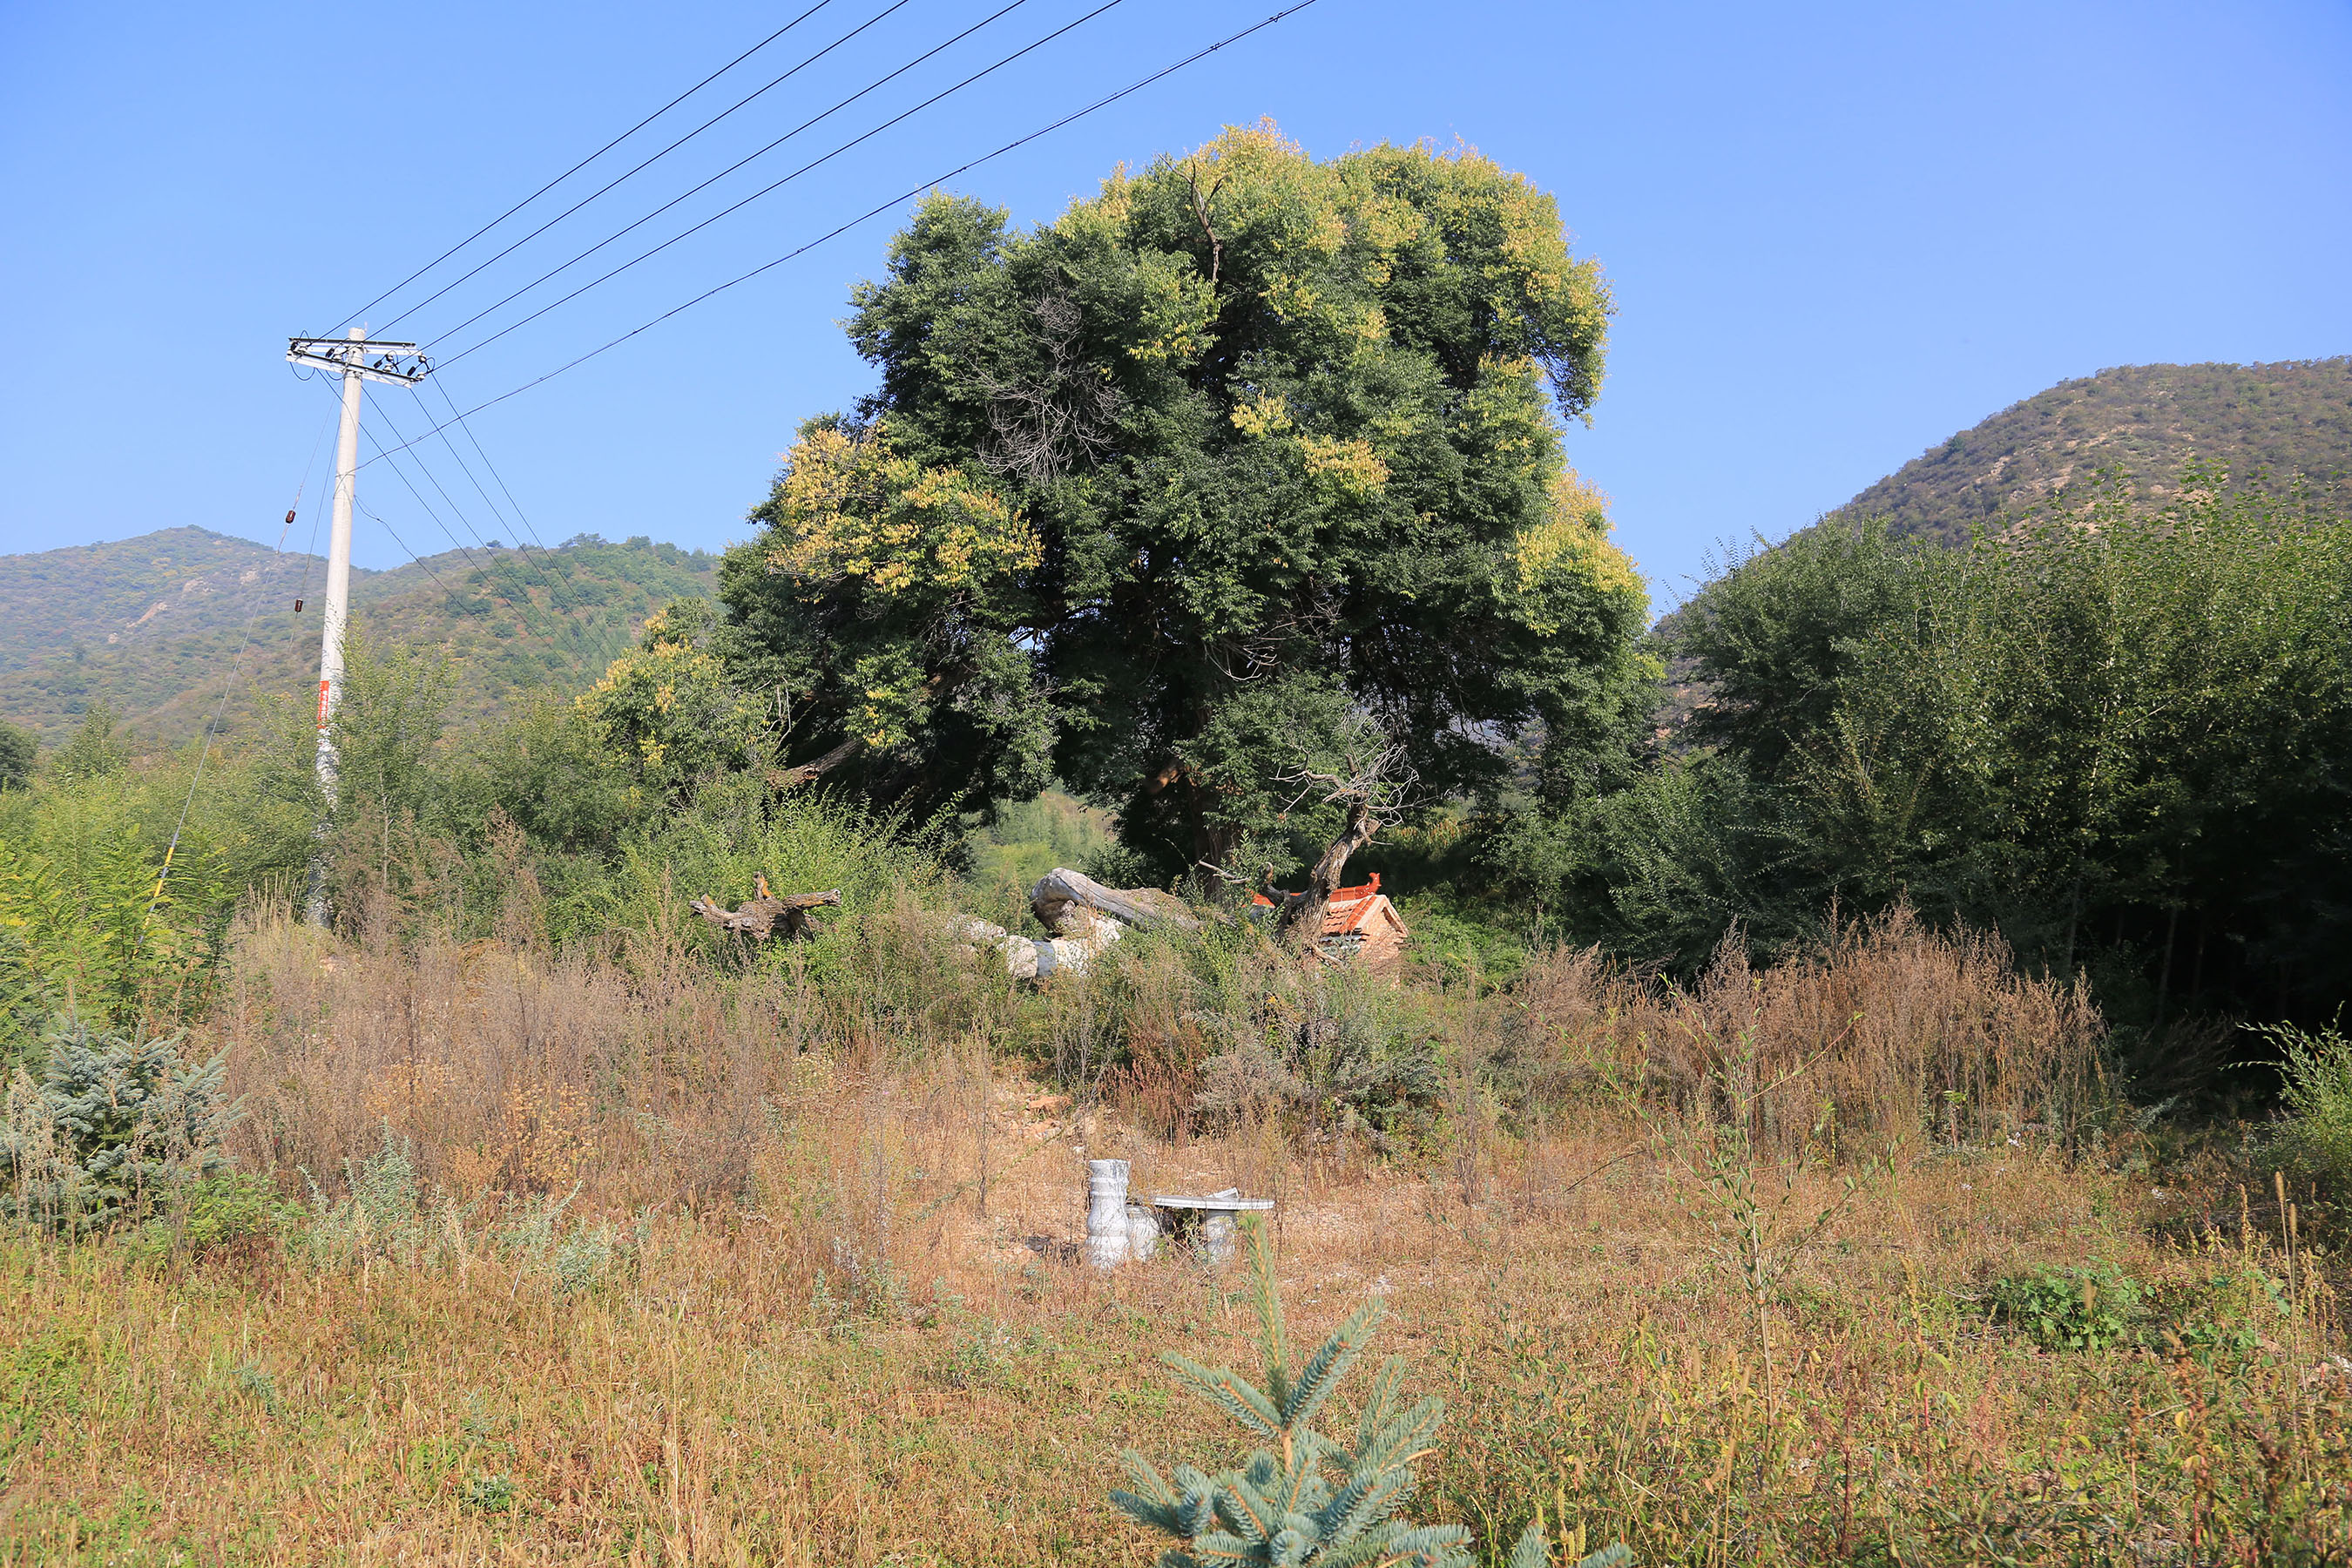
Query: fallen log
(1063,900)
(760,917)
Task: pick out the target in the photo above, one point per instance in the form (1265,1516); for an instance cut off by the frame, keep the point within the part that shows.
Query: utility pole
(358,360)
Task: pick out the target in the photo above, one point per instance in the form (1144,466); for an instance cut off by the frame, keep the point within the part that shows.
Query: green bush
(2069,1309)
(382,1215)
(2315,1092)
(2220,1317)
(112,1128)
(215,1211)
(488,1493)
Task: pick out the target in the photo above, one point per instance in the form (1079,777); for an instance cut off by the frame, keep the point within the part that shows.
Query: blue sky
(1836,233)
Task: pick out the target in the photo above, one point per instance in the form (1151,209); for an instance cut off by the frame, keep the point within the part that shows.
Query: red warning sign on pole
(322,704)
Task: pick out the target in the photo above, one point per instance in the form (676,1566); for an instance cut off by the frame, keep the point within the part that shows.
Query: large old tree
(1169,495)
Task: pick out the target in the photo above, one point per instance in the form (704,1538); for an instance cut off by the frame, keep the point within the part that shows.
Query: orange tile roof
(1349,910)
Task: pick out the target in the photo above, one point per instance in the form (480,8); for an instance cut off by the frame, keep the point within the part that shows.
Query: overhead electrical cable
(765,190)
(575,168)
(609,641)
(567,212)
(475,442)
(547,576)
(873,86)
(415,560)
(877,211)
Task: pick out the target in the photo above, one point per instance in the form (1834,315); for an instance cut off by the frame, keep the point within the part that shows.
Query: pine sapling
(1306,1499)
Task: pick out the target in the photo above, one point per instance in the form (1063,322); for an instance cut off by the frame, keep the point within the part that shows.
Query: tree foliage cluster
(1160,496)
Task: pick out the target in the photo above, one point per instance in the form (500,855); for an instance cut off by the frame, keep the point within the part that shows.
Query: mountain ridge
(152,625)
(2265,424)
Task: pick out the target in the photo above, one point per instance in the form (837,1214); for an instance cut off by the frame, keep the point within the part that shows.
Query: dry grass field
(592,1260)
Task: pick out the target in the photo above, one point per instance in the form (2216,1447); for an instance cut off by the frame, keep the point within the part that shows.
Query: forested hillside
(152,625)
(2263,423)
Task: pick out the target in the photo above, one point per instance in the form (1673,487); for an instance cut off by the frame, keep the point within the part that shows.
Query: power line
(546,574)
(620,638)
(415,560)
(584,162)
(482,575)
(773,186)
(874,212)
(583,646)
(753,157)
(665,152)
(475,441)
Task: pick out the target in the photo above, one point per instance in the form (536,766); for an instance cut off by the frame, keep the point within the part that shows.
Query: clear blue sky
(1836,233)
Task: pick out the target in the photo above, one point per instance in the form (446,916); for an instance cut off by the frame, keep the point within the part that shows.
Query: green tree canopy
(1165,494)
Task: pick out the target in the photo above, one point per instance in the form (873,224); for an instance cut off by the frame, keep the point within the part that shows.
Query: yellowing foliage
(1352,467)
(669,703)
(1570,546)
(1261,417)
(851,507)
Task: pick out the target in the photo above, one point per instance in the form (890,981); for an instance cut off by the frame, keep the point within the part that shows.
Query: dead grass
(1886,1031)
(843,1323)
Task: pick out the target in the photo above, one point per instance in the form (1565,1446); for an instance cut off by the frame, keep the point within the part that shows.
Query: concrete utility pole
(358,360)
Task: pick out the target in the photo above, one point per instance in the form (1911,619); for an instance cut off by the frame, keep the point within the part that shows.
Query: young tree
(1248,447)
(18,750)
(94,751)
(1307,1500)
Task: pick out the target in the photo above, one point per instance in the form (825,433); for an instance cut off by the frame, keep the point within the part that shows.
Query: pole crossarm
(398,364)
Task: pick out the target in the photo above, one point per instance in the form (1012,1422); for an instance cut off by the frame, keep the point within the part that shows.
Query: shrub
(2069,1309)
(1222,1026)
(2316,1091)
(489,1493)
(574,1259)
(215,1211)
(383,1214)
(112,1130)
(1320,1503)
(1885,1029)
(2221,1316)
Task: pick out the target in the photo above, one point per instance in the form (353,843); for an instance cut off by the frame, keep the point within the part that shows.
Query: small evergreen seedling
(1309,1501)
(112,1127)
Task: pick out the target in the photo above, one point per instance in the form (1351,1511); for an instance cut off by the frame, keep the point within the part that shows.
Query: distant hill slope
(152,624)
(2265,423)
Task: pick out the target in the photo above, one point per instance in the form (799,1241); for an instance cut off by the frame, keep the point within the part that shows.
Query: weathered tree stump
(769,914)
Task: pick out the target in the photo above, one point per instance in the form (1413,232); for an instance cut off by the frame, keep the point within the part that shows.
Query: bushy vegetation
(109,1130)
(1755,1140)
(2316,1101)
(2113,735)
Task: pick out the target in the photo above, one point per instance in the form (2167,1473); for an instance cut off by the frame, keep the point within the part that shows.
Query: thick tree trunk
(809,772)
(1302,918)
